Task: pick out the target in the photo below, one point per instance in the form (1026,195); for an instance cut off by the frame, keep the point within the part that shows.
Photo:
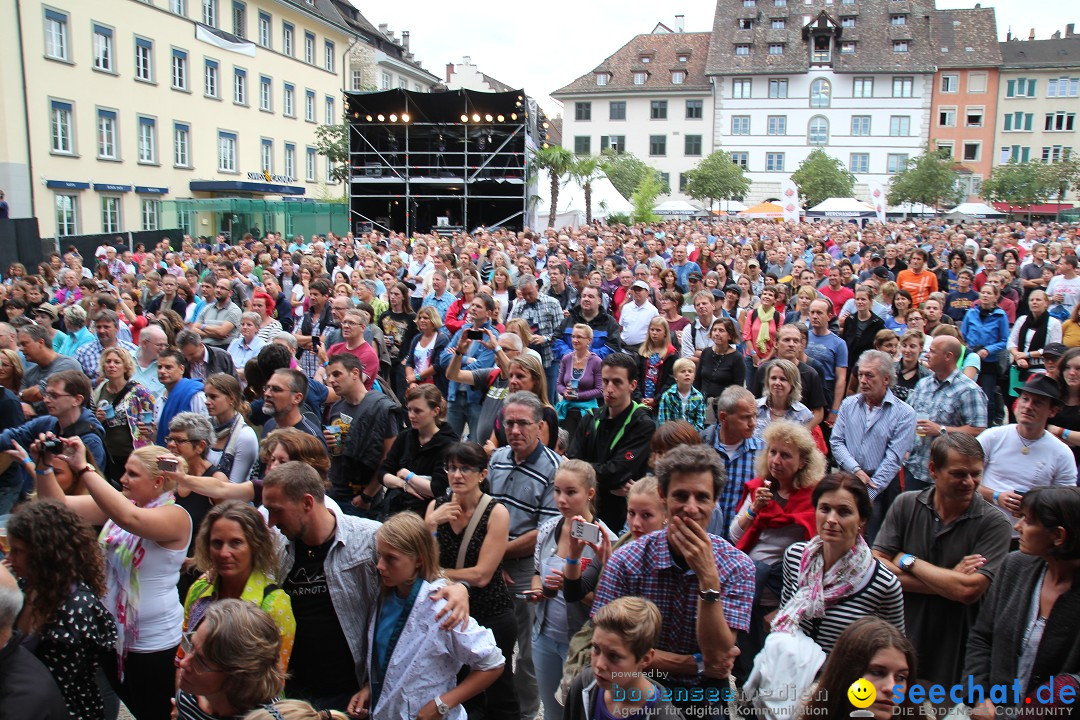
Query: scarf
(124,550)
(819,588)
(766,318)
(1038,337)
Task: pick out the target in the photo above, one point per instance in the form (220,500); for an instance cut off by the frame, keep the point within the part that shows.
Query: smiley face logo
(861,693)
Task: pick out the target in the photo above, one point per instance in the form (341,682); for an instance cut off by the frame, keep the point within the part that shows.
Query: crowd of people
(654,471)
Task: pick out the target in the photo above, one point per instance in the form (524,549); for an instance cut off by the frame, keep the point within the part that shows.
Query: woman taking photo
(237,555)
(655,359)
(414,471)
(578,383)
(1025,632)
(526,373)
(471,551)
(236,447)
(414,664)
(896,320)
(63,622)
(230,664)
(720,365)
(120,401)
(142,522)
(422,357)
(836,565)
(781,393)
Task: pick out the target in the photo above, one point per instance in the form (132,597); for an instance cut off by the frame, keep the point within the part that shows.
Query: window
(328,56)
(658,110)
(692,145)
(179,69)
(972,151)
(658,144)
(150,211)
(777,125)
(226,152)
(848,47)
(147,141)
(331,115)
(678,77)
(847,21)
(582,145)
(822,50)
(973,117)
(745,23)
(749,3)
(900,46)
(330,179)
(601,79)
(694,109)
(264,29)
(862,87)
(899,126)
(774,162)
(740,124)
(945,149)
(266,93)
(309,105)
(583,111)
(1019,121)
(1055,153)
(210,79)
(898,19)
(860,125)
(1063,87)
(309,164)
(859,163)
(144,59)
(240,86)
(895,163)
(820,93)
(777,24)
(103,48)
(239,19)
(403,83)
(639,78)
(779,3)
(741,88)
(209,13)
(56,35)
(682,182)
(287,34)
(110,214)
(179,7)
(387,81)
(288,101)
(106,135)
(976,82)
(776,48)
(946,117)
(357,79)
(646,59)
(266,155)
(1059,122)
(665,183)
(63,141)
(290,160)
(818,131)
(683,58)
(309,48)
(950,83)
(181,145)
(1015,153)
(67,211)
(617,110)
(1020,87)
(613,142)
(742,50)
(903,87)
(742,159)
(778,88)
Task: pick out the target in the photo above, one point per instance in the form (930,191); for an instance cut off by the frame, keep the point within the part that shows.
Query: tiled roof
(1054,53)
(663,51)
(960,38)
(873,34)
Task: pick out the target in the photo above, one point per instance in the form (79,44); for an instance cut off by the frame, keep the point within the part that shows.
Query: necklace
(1026,443)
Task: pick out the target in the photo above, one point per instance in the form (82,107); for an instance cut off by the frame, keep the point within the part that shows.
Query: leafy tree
(332,142)
(643,199)
(1063,175)
(928,179)
(1016,183)
(587,169)
(717,178)
(558,162)
(821,176)
(625,171)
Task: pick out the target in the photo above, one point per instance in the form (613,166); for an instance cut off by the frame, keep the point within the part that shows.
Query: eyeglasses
(50,395)
(177,440)
(461,469)
(187,644)
(276,389)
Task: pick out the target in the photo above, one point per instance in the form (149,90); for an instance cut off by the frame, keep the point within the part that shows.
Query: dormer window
(822,52)
(746,24)
(777,24)
(749,3)
(847,21)
(684,58)
(898,19)
(639,78)
(900,46)
(847,47)
(646,59)
(678,77)
(776,48)
(601,79)
(742,50)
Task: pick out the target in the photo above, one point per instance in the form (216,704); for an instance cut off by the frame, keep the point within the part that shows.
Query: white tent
(676,208)
(728,206)
(842,209)
(911,210)
(974,211)
(570,212)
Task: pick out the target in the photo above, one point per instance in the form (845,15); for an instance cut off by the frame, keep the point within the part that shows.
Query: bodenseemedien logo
(862,695)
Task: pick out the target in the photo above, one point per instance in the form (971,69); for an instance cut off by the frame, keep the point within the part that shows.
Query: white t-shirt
(634,320)
(1070,290)
(1048,461)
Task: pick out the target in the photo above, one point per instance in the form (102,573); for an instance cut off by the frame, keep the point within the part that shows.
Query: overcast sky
(542,46)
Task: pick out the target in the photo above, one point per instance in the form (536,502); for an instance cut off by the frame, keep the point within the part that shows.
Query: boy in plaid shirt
(682,401)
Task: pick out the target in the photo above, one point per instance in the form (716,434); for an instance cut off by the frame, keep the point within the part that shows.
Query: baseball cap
(876,256)
(695,276)
(881,272)
(1039,384)
(640,285)
(1054,350)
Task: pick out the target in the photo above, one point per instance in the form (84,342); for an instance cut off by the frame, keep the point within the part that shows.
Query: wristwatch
(943,431)
(907,562)
(442,707)
(709,596)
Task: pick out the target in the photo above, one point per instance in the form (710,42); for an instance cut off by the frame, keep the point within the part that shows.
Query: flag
(789,200)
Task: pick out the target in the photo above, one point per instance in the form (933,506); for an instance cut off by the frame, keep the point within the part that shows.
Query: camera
(474,334)
(53,445)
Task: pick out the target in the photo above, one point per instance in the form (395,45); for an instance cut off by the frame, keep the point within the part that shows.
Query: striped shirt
(952,402)
(881,596)
(526,488)
(875,440)
(544,317)
(740,470)
(89,356)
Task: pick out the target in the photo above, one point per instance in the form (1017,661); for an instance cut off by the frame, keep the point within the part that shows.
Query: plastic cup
(919,416)
(335,430)
(110,411)
(551,565)
(146,417)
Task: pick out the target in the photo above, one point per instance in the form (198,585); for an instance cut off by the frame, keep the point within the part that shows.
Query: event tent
(842,209)
(765,210)
(974,211)
(676,208)
(606,200)
(729,207)
(910,210)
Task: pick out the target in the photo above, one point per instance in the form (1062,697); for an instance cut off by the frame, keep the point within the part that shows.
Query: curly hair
(813,466)
(257,535)
(62,549)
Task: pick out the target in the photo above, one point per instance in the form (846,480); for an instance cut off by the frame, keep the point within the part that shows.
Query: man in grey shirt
(218,323)
(37,347)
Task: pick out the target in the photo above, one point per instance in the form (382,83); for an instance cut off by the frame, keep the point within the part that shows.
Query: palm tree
(557,161)
(587,169)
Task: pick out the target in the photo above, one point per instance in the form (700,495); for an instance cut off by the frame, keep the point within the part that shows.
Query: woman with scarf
(832,580)
(119,402)
(759,326)
(236,447)
(145,540)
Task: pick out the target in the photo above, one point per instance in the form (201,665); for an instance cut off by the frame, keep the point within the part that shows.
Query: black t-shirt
(362,451)
(321,663)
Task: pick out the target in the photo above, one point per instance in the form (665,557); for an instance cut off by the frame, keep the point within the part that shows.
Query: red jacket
(799,511)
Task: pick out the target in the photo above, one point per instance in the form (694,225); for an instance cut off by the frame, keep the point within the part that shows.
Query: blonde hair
(17,369)
(295,710)
(243,641)
(799,437)
(432,315)
(407,533)
(532,366)
(585,329)
(647,347)
(647,486)
(635,620)
(148,457)
(682,364)
(125,359)
(791,374)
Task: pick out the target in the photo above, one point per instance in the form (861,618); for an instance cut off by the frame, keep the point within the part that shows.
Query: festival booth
(908,210)
(763,211)
(971,212)
(676,209)
(570,212)
(842,209)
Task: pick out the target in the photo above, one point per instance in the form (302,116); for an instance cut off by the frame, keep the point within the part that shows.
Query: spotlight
(393,117)
(369,118)
(545,124)
(502,118)
(464,118)
(545,146)
(405,117)
(513,116)
(381,117)
(476,117)
(520,98)
(487,118)
(356,115)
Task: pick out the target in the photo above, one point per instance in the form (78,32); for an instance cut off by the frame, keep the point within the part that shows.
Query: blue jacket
(991,333)
(485,359)
(27,432)
(607,334)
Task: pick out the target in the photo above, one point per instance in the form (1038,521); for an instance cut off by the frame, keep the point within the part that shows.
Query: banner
(224,40)
(877,199)
(789,199)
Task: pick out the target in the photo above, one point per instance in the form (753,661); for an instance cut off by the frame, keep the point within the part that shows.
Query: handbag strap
(478,513)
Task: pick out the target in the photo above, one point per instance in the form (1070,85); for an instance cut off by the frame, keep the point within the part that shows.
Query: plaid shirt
(645,568)
(89,356)
(740,470)
(671,408)
(544,317)
(954,401)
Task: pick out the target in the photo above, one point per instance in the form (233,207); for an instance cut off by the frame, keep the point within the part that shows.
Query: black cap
(881,272)
(876,256)
(717,294)
(1040,384)
(733,289)
(1054,350)
(694,276)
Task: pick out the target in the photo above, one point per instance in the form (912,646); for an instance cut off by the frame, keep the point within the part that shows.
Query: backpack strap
(470,529)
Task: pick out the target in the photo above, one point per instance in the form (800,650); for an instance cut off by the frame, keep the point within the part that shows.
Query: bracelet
(996,493)
(409,477)
(572,561)
(46,471)
(27,460)
(750,513)
(1065,434)
(833,412)
(435,534)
